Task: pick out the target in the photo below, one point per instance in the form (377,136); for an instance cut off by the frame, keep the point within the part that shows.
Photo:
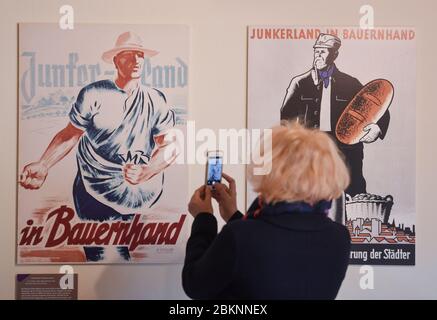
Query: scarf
(325,75)
(259,207)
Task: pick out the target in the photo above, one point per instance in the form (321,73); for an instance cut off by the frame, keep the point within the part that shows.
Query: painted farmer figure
(317,99)
(119,126)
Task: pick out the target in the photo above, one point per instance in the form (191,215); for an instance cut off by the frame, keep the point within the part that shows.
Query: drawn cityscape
(373,230)
(367,219)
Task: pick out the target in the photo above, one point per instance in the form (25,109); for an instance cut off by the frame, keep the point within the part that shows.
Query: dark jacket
(285,256)
(303,102)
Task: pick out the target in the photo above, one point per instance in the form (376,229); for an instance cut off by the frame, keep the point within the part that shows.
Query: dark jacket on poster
(283,253)
(303,102)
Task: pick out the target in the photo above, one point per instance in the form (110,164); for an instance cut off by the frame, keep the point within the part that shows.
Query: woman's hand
(200,201)
(226,197)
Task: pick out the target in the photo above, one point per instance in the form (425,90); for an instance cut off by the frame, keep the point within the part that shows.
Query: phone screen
(214,169)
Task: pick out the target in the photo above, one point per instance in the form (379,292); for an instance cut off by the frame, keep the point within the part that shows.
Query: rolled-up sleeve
(81,111)
(164,118)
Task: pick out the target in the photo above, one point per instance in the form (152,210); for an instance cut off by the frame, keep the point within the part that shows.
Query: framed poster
(98,180)
(359,86)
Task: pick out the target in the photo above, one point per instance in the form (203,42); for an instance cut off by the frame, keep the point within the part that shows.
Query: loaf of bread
(368,106)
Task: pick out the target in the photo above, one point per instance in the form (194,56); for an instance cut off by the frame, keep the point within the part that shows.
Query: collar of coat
(291,215)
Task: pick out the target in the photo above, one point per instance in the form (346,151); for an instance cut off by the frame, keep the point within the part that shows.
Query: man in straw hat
(318,97)
(120,127)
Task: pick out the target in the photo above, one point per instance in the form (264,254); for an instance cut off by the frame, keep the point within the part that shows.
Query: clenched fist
(138,173)
(33,175)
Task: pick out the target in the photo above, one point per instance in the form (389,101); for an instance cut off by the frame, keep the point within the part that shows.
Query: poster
(98,181)
(337,79)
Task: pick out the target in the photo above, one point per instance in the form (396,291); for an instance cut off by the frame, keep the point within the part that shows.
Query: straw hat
(127,41)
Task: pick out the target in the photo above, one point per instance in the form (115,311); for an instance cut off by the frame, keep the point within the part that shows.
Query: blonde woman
(285,246)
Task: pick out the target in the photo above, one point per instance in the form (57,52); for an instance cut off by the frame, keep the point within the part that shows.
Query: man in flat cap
(318,97)
(119,126)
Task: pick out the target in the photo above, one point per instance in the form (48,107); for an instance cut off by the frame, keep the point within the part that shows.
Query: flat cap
(327,41)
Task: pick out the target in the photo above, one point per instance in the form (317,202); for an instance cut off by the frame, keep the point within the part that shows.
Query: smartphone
(214,167)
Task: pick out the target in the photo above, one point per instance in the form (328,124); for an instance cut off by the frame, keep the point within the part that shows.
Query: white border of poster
(70,78)
(381,220)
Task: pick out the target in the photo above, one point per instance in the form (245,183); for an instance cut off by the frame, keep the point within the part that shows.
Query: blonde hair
(306,165)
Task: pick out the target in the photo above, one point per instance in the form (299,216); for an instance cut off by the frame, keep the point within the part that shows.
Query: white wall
(218,90)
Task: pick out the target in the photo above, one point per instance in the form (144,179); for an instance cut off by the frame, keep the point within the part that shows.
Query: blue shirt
(119,130)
